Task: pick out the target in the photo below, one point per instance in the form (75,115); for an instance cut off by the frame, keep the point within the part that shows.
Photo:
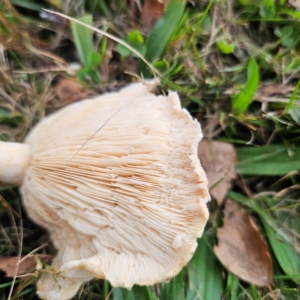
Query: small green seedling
(134,39)
(225,47)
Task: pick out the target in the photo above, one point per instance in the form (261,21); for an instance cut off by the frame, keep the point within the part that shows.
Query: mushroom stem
(14,160)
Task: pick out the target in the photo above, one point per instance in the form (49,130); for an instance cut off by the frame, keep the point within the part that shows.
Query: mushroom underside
(123,196)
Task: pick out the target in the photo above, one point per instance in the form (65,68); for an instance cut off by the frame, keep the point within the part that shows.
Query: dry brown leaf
(241,248)
(218,160)
(9,264)
(274,89)
(70,90)
(152,11)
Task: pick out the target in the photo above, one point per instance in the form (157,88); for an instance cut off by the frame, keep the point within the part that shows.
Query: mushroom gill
(117,182)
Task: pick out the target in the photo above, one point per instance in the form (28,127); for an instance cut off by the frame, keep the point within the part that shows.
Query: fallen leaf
(27,265)
(268,90)
(218,159)
(70,90)
(152,11)
(241,248)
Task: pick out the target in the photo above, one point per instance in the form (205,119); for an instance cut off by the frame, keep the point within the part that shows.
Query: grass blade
(242,100)
(83,38)
(232,287)
(268,160)
(163,30)
(136,293)
(205,273)
(292,99)
(27,4)
(123,294)
(174,289)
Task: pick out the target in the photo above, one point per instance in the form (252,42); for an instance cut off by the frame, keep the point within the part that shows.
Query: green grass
(216,54)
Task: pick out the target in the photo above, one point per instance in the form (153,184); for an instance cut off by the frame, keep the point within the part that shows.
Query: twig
(11,101)
(32,252)
(275,100)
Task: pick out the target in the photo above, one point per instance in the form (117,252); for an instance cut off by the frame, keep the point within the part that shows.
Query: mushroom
(117,183)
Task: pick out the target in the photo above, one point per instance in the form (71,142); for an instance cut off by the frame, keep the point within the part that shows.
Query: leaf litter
(218,159)
(272,89)
(152,11)
(69,90)
(25,265)
(241,248)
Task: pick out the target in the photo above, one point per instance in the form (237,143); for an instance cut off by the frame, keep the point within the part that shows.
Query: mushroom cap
(117,182)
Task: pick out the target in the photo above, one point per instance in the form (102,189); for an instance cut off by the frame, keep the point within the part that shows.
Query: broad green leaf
(243,99)
(174,289)
(124,51)
(224,47)
(288,42)
(268,160)
(83,38)
(163,30)
(287,31)
(205,273)
(267,8)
